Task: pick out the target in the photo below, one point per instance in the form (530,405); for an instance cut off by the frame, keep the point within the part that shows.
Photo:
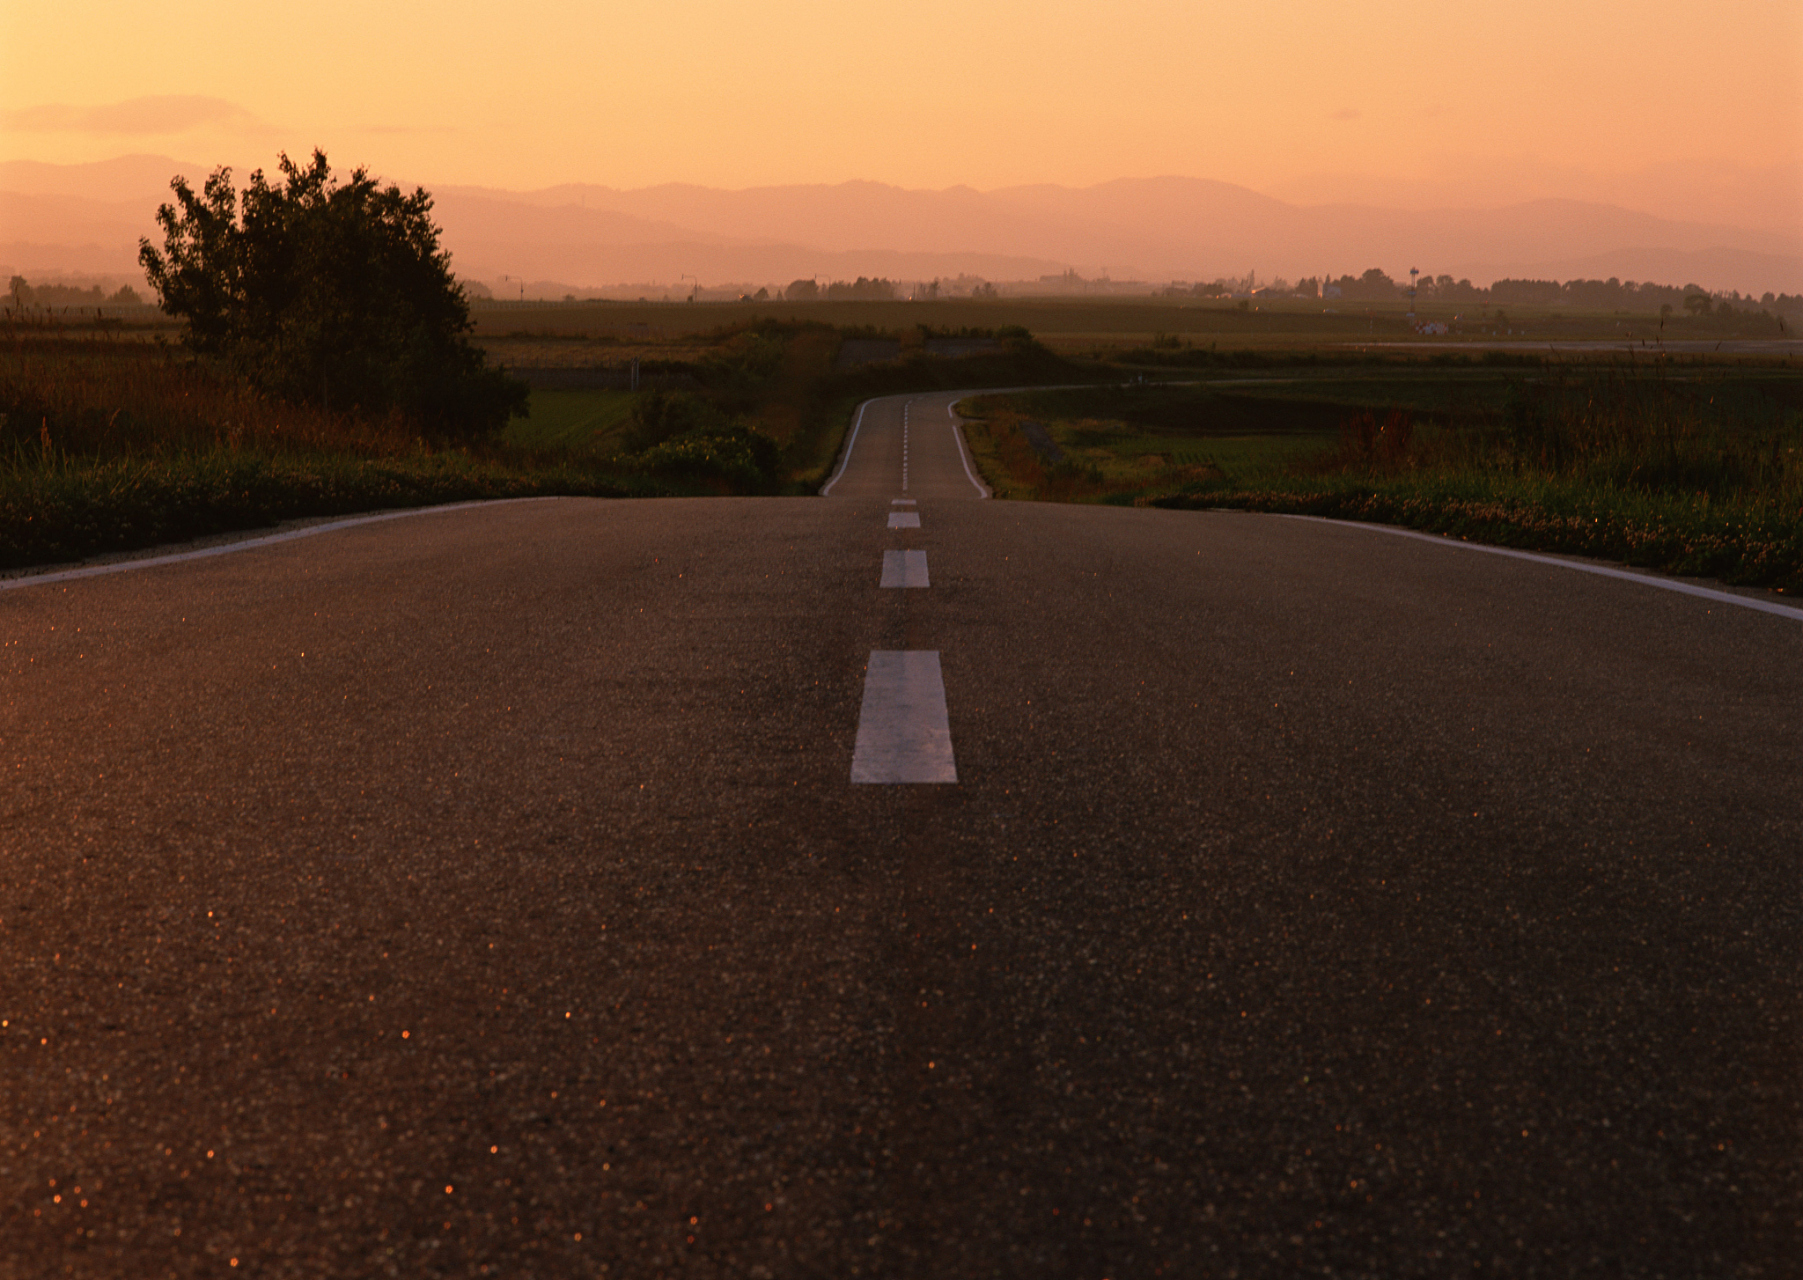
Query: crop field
(1692,461)
(587,421)
(1110,325)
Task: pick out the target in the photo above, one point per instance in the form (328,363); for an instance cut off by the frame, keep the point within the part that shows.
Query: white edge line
(908,398)
(964,455)
(827,488)
(1604,571)
(247,544)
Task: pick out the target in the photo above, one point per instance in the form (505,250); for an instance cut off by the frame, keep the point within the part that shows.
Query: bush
(658,416)
(737,458)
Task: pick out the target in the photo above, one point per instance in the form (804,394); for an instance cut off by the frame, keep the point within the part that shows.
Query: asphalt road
(485,893)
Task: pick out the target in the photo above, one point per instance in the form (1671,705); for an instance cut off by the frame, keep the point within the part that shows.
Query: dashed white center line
(904,569)
(904,519)
(904,734)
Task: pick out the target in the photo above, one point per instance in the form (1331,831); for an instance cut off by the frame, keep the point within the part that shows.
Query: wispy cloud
(164,115)
(1346,113)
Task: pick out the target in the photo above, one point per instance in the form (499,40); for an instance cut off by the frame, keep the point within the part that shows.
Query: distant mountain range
(58,220)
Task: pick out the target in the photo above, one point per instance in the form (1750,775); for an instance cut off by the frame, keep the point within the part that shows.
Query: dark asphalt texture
(483,893)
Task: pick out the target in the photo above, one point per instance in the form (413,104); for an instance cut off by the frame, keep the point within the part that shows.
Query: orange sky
(1675,107)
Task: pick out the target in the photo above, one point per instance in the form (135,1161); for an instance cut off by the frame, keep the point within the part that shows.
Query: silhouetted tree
(862,289)
(329,292)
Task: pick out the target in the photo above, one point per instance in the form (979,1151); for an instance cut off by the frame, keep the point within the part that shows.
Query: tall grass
(110,444)
(110,397)
(1724,438)
(1693,475)
(58,508)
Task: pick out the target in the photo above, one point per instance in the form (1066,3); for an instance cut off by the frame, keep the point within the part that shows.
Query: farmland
(587,331)
(1675,447)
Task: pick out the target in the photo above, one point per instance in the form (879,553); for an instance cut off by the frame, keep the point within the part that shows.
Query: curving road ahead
(491,889)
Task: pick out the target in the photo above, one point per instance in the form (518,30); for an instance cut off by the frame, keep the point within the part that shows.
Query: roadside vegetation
(313,355)
(116,436)
(1692,467)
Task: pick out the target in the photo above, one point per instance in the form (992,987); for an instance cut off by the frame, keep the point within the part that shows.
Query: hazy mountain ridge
(89,217)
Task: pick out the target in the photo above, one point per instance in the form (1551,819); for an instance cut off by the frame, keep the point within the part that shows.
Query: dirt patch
(1042,442)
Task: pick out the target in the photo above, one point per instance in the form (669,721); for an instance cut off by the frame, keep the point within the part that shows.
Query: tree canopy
(328,292)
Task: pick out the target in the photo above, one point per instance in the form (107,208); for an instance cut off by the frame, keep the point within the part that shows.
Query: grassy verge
(111,445)
(1745,543)
(62,509)
(1693,467)
(1693,470)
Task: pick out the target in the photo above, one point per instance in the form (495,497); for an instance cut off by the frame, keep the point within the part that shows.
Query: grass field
(112,438)
(574,332)
(1109,441)
(1693,468)
(585,421)
(111,444)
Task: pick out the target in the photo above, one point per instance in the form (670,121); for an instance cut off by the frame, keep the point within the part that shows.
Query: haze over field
(730,142)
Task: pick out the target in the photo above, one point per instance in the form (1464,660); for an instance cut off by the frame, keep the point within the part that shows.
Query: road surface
(488,892)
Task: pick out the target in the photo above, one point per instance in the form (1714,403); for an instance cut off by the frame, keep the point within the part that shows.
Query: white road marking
(904,569)
(963,455)
(858,423)
(904,734)
(1604,571)
(845,462)
(904,519)
(247,544)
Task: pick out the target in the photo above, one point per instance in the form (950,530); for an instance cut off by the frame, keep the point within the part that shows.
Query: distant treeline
(1593,295)
(862,290)
(24,294)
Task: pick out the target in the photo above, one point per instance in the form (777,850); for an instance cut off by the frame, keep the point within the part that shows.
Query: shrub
(739,459)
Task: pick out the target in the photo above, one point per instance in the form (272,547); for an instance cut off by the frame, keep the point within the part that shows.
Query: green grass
(1694,465)
(1689,468)
(59,509)
(578,420)
(1250,456)
(1119,440)
(109,446)
(1745,542)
